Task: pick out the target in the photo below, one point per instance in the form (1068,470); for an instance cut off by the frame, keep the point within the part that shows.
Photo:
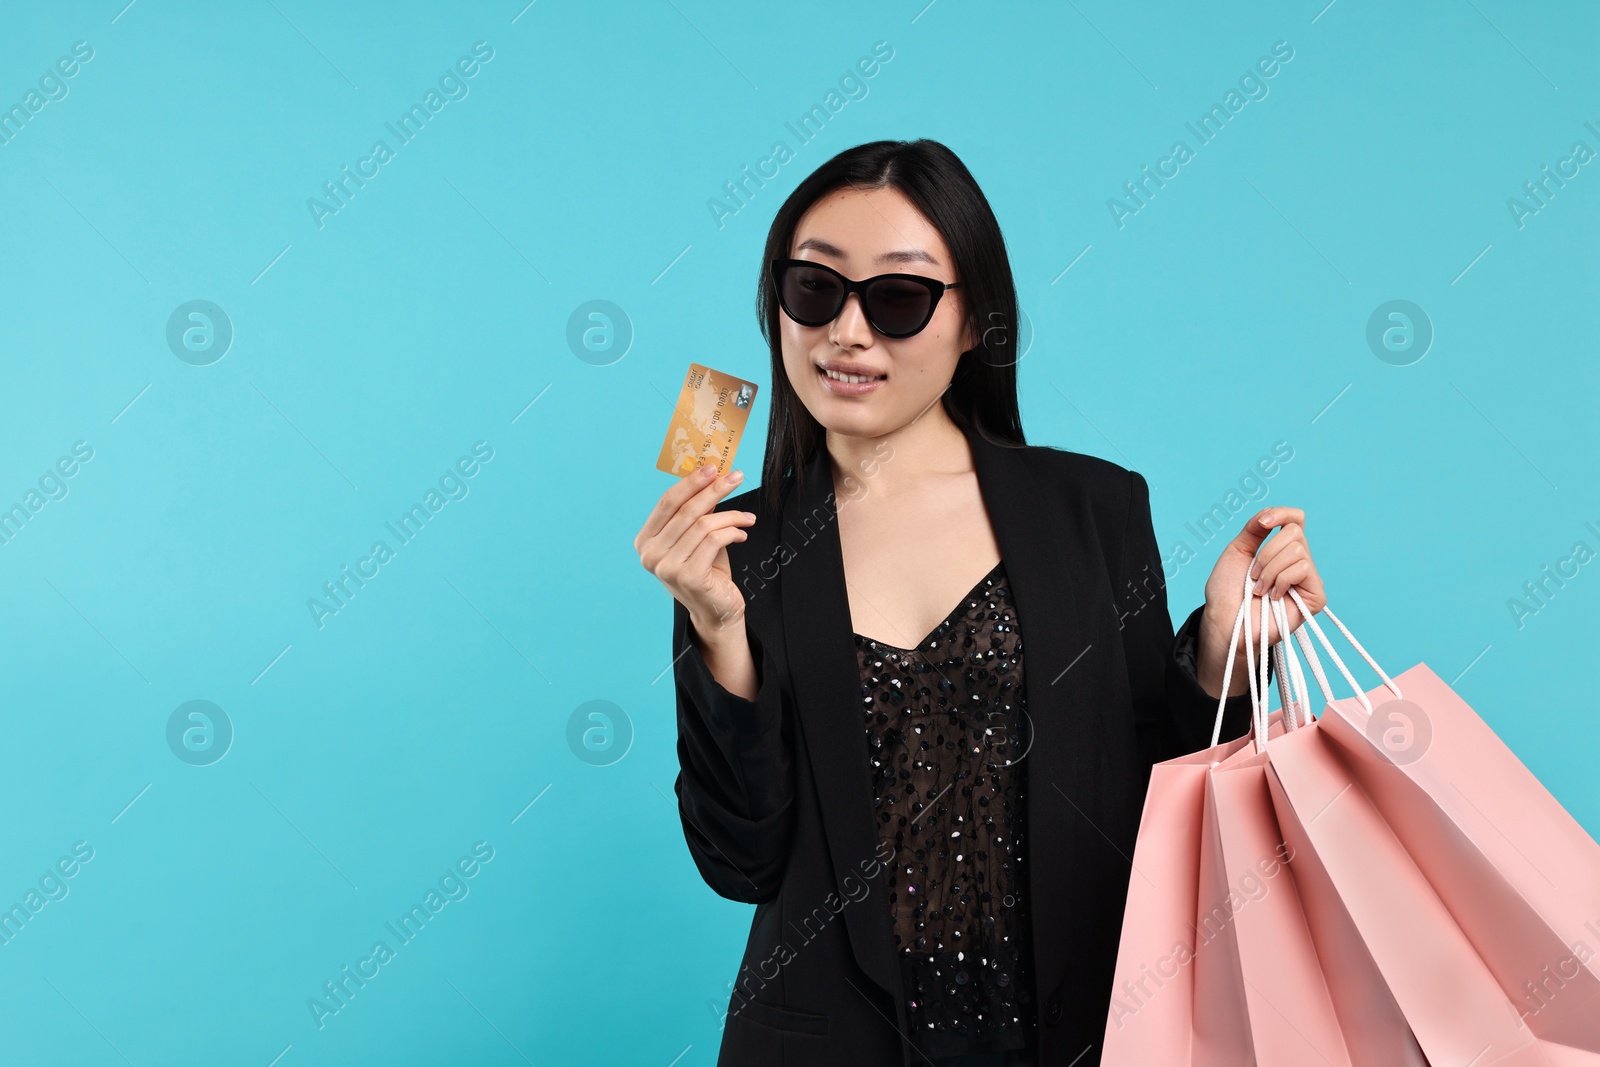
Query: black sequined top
(946,733)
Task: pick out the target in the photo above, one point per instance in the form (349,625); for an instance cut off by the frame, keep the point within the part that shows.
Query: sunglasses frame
(935,287)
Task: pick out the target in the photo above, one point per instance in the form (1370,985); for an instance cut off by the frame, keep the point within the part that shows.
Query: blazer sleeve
(1172,714)
(735,783)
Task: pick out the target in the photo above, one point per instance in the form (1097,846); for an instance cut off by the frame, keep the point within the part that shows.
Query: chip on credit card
(707,422)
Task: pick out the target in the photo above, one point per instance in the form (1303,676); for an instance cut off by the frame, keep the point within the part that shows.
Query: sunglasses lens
(811,296)
(898,307)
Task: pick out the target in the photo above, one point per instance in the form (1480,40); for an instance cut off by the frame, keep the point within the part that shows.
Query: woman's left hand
(1284,561)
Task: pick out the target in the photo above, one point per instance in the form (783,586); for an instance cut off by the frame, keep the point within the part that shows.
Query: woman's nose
(851,328)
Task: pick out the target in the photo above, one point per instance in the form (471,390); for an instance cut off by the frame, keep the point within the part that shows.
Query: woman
(933,821)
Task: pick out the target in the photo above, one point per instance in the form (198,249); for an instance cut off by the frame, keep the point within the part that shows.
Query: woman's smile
(846,378)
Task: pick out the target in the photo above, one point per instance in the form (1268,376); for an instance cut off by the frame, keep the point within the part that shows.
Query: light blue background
(1228,314)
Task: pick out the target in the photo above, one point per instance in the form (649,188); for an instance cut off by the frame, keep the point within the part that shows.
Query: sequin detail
(946,734)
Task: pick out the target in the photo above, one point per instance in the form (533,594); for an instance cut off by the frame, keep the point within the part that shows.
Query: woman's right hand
(684,544)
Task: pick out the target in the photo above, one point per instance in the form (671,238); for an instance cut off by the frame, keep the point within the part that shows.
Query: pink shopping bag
(1400,849)
(1152,1014)
(1518,875)
(1179,996)
(1256,969)
(1310,994)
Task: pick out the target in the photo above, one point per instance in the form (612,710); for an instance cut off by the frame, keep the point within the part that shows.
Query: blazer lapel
(827,687)
(1039,545)
(1030,529)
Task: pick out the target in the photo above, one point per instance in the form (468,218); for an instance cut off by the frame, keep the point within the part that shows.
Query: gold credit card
(707,422)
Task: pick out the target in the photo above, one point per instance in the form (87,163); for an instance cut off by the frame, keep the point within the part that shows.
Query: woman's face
(860,234)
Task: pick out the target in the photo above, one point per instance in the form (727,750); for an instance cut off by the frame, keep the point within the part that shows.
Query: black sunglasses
(896,305)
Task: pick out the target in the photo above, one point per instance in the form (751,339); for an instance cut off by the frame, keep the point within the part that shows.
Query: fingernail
(707,469)
(1266,519)
(1256,589)
(735,477)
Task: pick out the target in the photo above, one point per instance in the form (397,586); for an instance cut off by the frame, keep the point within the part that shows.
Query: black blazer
(775,794)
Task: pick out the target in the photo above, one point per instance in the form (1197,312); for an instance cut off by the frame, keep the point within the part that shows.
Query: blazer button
(1052,1011)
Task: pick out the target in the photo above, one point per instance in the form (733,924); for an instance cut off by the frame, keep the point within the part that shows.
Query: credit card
(707,422)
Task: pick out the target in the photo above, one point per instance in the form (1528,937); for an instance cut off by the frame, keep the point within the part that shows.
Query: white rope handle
(1293,692)
(1285,700)
(1258,695)
(1296,711)
(1287,694)
(1288,697)
(1315,663)
(1310,649)
(1227,670)
(1300,675)
(1316,666)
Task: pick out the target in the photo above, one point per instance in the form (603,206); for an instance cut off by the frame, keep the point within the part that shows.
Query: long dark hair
(983,392)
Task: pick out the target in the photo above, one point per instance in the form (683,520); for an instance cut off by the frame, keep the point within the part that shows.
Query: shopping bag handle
(1296,698)
(1316,666)
(1292,689)
(1293,692)
(1258,697)
(1227,670)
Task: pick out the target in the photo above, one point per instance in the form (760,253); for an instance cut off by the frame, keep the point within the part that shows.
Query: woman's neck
(930,445)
